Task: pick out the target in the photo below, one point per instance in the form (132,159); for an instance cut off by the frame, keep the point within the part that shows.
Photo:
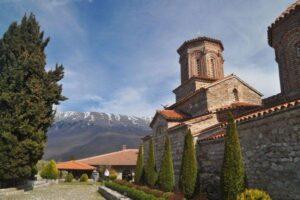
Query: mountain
(83,134)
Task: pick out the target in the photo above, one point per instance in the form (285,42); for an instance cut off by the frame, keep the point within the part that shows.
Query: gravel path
(62,191)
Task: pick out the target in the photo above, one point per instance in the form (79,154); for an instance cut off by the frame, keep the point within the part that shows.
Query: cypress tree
(150,168)
(27,95)
(139,166)
(188,176)
(166,180)
(233,173)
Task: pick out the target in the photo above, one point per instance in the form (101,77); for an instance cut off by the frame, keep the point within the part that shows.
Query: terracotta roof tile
(214,136)
(265,111)
(291,9)
(126,157)
(74,165)
(172,114)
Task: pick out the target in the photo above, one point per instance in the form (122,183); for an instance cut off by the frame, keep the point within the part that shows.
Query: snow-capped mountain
(82,134)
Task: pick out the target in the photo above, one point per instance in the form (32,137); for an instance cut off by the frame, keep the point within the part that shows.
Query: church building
(269,128)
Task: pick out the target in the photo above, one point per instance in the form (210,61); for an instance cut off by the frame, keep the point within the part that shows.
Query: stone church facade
(269,128)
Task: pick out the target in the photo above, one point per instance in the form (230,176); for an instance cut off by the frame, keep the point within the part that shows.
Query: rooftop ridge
(200,38)
(291,9)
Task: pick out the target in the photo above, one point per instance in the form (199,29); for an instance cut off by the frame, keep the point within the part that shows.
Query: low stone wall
(110,194)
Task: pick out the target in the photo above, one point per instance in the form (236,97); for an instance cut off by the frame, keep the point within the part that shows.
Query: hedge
(131,192)
(155,192)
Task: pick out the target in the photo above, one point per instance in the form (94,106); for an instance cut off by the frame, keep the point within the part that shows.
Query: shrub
(166,179)
(233,173)
(188,174)
(50,171)
(139,166)
(113,174)
(150,168)
(84,178)
(253,194)
(131,192)
(69,178)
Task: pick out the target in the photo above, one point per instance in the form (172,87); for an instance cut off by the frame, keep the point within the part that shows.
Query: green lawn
(61,191)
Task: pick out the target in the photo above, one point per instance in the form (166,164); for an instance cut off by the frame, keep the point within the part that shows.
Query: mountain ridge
(84,134)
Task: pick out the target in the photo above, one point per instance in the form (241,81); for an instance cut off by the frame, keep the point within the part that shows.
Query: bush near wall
(84,178)
(131,192)
(50,171)
(253,194)
(69,178)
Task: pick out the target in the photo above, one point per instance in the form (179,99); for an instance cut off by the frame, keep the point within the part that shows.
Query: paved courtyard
(62,191)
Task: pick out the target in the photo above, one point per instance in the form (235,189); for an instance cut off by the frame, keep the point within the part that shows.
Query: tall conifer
(233,172)
(188,176)
(150,168)
(166,179)
(27,95)
(139,166)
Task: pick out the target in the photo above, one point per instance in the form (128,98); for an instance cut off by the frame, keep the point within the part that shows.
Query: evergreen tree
(27,95)
(166,179)
(188,176)
(139,166)
(150,168)
(50,171)
(233,173)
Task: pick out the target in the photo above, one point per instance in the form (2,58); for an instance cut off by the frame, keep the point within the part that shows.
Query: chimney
(124,147)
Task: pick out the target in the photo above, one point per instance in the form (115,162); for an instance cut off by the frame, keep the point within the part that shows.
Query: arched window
(235,94)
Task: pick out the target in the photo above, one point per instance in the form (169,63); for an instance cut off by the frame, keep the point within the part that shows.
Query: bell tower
(201,62)
(284,37)
(201,57)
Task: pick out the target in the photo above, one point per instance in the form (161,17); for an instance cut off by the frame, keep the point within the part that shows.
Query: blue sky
(120,55)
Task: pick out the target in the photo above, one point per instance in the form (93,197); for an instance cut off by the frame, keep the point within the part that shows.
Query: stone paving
(61,191)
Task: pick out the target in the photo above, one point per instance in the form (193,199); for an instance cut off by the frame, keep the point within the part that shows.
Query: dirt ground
(61,191)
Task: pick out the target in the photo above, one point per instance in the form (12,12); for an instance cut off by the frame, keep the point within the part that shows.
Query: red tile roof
(74,165)
(214,136)
(262,112)
(125,157)
(172,114)
(290,10)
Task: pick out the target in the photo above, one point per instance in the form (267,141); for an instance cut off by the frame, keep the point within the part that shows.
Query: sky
(120,55)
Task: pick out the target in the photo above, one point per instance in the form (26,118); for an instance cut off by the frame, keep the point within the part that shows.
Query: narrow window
(235,94)
(212,67)
(298,50)
(198,65)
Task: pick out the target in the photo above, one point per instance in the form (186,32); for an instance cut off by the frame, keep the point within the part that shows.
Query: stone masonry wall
(271,149)
(271,152)
(210,157)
